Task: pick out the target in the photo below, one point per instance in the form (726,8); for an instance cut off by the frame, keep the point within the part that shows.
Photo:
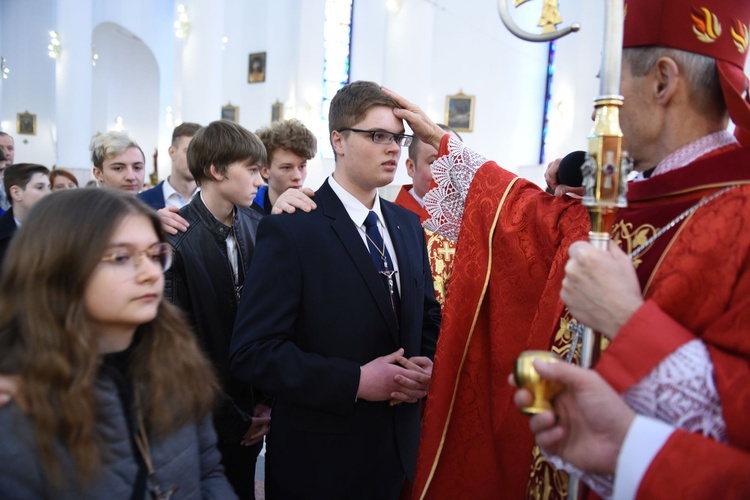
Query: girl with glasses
(114,395)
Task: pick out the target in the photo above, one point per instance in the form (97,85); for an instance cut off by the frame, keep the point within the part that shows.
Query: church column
(73,84)
(201,77)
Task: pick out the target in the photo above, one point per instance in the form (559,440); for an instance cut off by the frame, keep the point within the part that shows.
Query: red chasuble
(475,443)
(504,298)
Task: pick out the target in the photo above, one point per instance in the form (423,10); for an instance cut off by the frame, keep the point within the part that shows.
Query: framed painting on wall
(231,113)
(459,112)
(26,123)
(256,72)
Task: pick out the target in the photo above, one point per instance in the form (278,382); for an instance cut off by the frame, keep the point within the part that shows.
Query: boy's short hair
(111,144)
(220,144)
(352,102)
(186,129)
(19,174)
(289,135)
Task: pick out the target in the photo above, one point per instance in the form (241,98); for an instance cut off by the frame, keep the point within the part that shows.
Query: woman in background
(115,396)
(62,179)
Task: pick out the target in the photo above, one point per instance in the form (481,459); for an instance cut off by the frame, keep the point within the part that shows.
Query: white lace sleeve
(453,174)
(679,391)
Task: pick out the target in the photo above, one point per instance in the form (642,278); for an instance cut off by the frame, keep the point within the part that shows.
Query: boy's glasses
(380,137)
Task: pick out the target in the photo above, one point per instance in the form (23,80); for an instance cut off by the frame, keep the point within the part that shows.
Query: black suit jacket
(7,230)
(154,197)
(314,310)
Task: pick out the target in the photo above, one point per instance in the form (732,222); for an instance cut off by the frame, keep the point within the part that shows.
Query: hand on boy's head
(171,221)
(293,199)
(423,127)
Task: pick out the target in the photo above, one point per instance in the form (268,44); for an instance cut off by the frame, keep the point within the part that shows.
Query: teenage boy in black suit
(330,331)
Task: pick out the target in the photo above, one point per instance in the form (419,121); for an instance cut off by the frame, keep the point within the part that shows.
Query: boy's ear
(265,172)
(410,166)
(16,193)
(98,174)
(217,176)
(336,142)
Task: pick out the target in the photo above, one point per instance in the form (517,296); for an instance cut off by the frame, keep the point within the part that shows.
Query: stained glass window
(337,40)
(547,101)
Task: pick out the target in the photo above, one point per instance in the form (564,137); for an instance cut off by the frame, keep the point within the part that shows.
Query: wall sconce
(224,42)
(182,24)
(4,70)
(94,56)
(54,46)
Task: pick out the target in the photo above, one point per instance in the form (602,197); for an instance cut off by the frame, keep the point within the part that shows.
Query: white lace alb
(453,174)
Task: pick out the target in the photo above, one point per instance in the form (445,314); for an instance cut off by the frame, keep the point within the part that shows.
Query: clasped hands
(395,378)
(259,425)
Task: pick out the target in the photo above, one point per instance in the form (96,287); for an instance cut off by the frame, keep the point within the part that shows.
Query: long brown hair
(46,336)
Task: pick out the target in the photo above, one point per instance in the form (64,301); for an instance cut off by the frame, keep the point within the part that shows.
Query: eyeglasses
(160,254)
(380,137)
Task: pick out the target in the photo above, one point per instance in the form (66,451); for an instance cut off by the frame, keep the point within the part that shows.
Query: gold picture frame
(459,112)
(26,123)
(231,113)
(256,69)
(277,111)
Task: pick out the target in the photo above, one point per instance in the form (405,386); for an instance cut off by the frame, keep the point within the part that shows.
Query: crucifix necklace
(387,272)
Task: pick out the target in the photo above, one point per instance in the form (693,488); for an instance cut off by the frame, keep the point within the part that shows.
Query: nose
(392,147)
(130,173)
(146,268)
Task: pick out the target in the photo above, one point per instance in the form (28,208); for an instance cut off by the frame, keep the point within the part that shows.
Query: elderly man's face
(639,118)
(8,146)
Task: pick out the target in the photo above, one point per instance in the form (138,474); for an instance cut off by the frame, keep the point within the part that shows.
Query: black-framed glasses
(129,258)
(381,137)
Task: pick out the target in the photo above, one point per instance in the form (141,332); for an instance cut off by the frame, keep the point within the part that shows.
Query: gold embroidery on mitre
(629,239)
(706,25)
(740,36)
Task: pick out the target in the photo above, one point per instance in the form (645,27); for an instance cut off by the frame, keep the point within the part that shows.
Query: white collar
(356,209)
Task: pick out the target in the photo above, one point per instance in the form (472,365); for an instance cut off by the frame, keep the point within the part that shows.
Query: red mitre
(713,28)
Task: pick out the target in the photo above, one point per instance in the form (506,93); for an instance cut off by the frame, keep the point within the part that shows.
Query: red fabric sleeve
(636,350)
(692,466)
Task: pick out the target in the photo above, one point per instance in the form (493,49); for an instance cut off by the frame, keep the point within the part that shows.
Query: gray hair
(699,72)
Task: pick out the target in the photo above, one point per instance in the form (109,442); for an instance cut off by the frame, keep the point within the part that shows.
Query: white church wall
(31,83)
(427,50)
(125,86)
